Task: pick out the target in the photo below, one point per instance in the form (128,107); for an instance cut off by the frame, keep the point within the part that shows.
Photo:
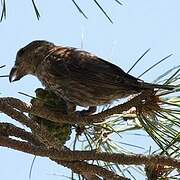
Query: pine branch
(64,155)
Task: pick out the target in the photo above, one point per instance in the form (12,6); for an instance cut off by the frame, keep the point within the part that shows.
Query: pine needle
(104,12)
(3,13)
(79,9)
(139,59)
(31,168)
(154,65)
(36,10)
(170,79)
(26,95)
(2,66)
(2,76)
(117,1)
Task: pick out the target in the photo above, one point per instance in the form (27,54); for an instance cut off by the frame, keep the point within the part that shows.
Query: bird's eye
(20,52)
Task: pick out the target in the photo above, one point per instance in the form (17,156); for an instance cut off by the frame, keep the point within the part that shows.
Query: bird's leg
(71,108)
(91,110)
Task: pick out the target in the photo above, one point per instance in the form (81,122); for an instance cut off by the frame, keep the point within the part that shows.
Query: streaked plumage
(79,77)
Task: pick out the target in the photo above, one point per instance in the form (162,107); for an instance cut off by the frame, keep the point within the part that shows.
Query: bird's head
(28,58)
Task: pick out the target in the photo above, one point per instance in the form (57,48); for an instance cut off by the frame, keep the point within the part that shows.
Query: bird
(79,77)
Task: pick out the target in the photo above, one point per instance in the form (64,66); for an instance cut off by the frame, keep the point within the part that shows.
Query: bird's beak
(13,75)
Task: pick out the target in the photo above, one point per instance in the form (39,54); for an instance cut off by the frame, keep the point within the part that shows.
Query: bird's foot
(88,112)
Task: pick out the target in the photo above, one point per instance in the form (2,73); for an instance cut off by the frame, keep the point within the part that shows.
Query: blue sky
(138,25)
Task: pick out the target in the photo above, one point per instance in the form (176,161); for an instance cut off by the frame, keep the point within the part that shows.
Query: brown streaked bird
(77,76)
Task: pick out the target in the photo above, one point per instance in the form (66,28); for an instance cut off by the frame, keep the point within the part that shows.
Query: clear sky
(138,25)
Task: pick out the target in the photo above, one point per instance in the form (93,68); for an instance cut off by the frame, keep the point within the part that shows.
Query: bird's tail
(159,86)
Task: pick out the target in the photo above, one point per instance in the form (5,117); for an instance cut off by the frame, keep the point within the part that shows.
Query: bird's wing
(83,67)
